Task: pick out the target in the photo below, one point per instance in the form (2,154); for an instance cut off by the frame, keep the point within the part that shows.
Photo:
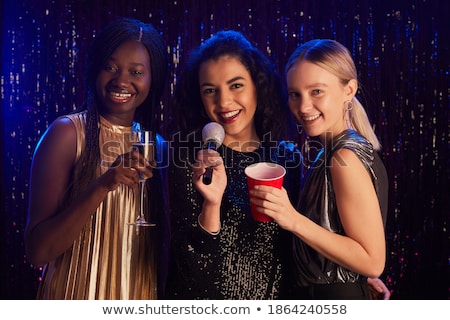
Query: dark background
(402,53)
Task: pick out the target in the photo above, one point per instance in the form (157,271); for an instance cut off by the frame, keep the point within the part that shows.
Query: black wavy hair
(272,114)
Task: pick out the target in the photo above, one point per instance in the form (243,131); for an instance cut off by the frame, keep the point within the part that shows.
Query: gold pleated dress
(109,260)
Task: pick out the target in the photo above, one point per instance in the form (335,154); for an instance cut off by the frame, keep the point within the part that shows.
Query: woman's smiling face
(229,97)
(317,98)
(124,82)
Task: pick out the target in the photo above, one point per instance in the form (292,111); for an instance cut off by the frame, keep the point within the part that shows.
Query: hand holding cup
(264,173)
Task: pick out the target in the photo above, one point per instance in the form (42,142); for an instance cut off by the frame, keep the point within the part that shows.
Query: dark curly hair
(272,114)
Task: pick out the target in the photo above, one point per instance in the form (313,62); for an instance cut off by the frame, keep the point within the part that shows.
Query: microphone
(212,136)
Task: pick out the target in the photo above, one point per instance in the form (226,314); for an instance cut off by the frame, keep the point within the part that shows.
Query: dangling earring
(348,107)
(307,145)
(299,129)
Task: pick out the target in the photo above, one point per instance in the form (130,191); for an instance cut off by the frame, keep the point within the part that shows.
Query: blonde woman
(338,224)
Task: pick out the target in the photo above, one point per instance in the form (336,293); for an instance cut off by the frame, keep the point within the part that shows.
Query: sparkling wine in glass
(144,143)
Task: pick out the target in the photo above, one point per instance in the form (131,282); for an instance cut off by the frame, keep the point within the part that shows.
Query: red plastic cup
(264,173)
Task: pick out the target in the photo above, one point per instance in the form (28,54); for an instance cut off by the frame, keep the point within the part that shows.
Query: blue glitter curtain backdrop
(402,53)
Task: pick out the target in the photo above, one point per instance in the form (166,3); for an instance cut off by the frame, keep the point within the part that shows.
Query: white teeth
(311,118)
(230,114)
(120,95)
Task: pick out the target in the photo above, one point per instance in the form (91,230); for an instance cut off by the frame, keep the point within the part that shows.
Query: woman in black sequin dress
(218,250)
(339,220)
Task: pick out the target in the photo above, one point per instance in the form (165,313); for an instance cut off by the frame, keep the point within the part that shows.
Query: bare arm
(52,228)
(362,249)
(360,215)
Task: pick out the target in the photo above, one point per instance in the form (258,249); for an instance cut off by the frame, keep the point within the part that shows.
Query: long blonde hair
(336,59)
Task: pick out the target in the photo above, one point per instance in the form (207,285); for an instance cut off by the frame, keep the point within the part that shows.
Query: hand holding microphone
(212,136)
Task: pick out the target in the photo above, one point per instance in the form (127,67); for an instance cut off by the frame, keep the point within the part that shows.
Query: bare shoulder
(59,139)
(347,169)
(63,128)
(345,159)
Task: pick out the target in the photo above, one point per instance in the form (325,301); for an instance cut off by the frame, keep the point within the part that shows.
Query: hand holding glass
(144,143)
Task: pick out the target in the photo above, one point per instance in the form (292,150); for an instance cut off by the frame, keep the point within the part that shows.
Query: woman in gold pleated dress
(84,178)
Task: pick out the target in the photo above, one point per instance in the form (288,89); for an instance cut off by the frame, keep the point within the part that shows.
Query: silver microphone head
(213,131)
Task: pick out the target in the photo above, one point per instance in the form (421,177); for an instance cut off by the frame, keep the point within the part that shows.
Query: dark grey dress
(317,202)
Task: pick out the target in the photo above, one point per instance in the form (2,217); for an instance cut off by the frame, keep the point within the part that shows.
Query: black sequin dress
(247,259)
(317,201)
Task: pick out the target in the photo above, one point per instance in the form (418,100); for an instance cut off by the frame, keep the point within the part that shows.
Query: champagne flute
(144,143)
